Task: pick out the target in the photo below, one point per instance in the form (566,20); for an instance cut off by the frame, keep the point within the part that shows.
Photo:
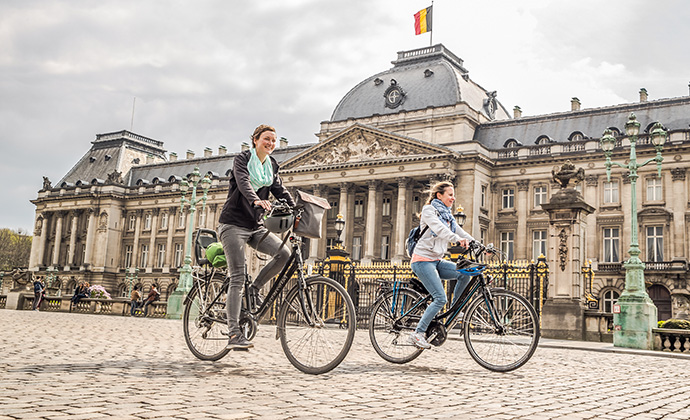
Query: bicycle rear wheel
(504,343)
(388,330)
(321,347)
(202,330)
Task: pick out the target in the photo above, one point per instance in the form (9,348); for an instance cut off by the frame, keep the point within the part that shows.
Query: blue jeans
(430,274)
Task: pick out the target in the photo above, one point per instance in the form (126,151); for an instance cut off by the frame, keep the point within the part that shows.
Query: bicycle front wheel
(502,339)
(392,321)
(321,346)
(203,330)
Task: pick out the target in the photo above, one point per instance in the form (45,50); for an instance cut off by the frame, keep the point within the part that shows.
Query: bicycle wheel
(321,347)
(504,343)
(202,330)
(388,331)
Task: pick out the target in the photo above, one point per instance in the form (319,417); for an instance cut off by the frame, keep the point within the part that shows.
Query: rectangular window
(180,220)
(386,209)
(483,197)
(539,196)
(144,256)
(655,243)
(508,198)
(164,220)
(357,248)
(482,235)
(128,256)
(507,244)
(385,247)
(330,243)
(147,221)
(654,189)
(202,218)
(132,222)
(611,245)
(160,261)
(416,205)
(538,244)
(178,255)
(333,211)
(611,192)
(359,208)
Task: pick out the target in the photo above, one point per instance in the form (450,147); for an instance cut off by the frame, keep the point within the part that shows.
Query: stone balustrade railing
(117,306)
(667,339)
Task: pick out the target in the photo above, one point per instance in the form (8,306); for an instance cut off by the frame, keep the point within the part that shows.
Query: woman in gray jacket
(427,259)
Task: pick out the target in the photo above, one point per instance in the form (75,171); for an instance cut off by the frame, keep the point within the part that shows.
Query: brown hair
(258,130)
(438,188)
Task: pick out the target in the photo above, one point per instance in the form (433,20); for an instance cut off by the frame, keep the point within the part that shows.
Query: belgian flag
(422,21)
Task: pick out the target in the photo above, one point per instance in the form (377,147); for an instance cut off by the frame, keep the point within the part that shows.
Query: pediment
(358,144)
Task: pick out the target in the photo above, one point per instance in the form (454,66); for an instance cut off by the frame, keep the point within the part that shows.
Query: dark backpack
(413,238)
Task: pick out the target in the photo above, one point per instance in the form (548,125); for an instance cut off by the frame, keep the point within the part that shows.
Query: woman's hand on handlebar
(464,243)
(265,204)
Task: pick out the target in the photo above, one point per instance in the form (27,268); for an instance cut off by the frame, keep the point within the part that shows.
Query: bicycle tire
(320,348)
(388,333)
(203,335)
(512,344)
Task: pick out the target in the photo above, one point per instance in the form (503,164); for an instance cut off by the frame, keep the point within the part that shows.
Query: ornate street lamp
(634,314)
(339,227)
(460,216)
(132,276)
(184,284)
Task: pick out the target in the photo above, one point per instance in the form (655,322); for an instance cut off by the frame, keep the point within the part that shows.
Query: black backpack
(413,238)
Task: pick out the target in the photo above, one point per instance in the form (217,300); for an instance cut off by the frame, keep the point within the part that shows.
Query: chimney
(643,95)
(245,146)
(149,159)
(190,154)
(283,142)
(222,150)
(517,112)
(173,156)
(574,104)
(208,152)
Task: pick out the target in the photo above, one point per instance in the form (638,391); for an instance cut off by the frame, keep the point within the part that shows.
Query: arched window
(511,143)
(615,131)
(576,136)
(543,140)
(123,291)
(608,298)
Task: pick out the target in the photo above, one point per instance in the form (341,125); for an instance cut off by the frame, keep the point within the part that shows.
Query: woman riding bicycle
(427,259)
(254,176)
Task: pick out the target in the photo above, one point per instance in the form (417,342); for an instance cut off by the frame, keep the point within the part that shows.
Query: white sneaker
(419,340)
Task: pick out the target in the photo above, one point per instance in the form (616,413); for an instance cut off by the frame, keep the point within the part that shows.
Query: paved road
(60,366)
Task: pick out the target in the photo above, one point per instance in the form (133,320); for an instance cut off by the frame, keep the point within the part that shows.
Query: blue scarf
(260,174)
(444,214)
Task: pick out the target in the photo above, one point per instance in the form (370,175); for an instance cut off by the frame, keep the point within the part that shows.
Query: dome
(419,79)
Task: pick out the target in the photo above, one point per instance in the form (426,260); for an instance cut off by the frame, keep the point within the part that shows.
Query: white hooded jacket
(435,247)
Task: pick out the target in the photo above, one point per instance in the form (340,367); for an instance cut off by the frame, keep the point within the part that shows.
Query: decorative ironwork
(588,275)
(563,249)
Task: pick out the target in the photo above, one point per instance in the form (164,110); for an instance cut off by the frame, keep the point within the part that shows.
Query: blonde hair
(258,131)
(438,188)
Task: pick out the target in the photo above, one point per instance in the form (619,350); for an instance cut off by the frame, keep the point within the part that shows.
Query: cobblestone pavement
(60,365)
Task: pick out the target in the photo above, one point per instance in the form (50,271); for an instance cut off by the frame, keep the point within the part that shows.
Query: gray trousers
(234,239)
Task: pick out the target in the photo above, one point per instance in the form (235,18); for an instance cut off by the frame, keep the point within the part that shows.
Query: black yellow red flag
(422,21)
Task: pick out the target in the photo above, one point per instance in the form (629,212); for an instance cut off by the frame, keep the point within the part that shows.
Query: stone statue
(46,183)
(567,172)
(681,306)
(115,177)
(22,278)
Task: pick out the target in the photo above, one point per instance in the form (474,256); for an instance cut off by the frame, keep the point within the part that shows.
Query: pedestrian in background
(136,297)
(153,296)
(39,293)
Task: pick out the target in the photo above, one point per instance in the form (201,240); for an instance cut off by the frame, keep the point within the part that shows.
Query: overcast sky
(205,73)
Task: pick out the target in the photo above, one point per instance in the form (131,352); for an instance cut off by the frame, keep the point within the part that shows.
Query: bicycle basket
(313,208)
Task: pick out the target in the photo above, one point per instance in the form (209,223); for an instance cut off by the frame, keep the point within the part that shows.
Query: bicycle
(500,328)
(315,324)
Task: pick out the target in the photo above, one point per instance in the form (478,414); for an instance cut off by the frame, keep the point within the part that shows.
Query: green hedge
(677,324)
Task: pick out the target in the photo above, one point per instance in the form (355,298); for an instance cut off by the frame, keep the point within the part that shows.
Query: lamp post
(460,216)
(184,284)
(131,276)
(634,314)
(339,227)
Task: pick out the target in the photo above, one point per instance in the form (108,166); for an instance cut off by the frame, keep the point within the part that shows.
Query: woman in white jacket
(427,259)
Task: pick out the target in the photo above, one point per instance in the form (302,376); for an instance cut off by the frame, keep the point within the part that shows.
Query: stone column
(401,225)
(58,238)
(592,197)
(522,237)
(170,252)
(678,244)
(41,232)
(90,235)
(135,245)
(72,237)
(153,252)
(345,188)
(371,221)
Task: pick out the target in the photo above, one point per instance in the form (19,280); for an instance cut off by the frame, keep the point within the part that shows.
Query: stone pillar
(371,222)
(593,197)
(345,188)
(72,237)
(563,312)
(153,252)
(678,188)
(41,234)
(135,245)
(401,225)
(170,252)
(58,238)
(90,235)
(522,237)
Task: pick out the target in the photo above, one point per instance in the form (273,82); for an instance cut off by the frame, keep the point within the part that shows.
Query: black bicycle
(316,320)
(501,328)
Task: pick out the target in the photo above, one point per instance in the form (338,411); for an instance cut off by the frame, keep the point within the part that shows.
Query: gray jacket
(435,247)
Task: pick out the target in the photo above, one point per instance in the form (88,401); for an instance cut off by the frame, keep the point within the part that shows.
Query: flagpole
(431,32)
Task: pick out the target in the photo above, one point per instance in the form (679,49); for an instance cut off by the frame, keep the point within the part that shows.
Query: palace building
(388,139)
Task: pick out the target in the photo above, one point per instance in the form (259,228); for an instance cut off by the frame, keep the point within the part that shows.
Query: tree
(15,248)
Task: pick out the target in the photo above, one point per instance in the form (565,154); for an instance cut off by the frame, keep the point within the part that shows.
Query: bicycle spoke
(389,331)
